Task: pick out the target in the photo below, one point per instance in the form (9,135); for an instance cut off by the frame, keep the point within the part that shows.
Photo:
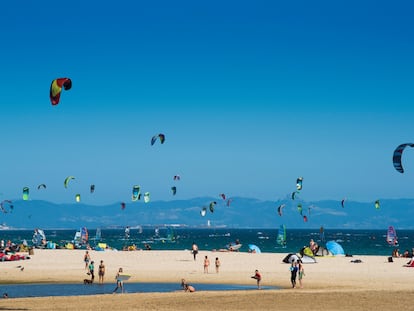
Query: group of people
(9,247)
(207,264)
(297,271)
(90,267)
(406,254)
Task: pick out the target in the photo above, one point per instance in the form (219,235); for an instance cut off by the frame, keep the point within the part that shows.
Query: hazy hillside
(243,212)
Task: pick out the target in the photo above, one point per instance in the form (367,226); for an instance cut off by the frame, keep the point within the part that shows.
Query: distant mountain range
(242,213)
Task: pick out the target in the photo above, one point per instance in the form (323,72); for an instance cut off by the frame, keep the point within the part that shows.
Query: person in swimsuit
(92,270)
(293,273)
(119,283)
(101,272)
(217,262)
(86,260)
(206,264)
(258,277)
(194,250)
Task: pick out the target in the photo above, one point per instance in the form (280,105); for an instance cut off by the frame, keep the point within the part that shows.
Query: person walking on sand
(217,262)
(301,271)
(194,250)
(86,259)
(206,264)
(293,273)
(101,272)
(258,277)
(119,282)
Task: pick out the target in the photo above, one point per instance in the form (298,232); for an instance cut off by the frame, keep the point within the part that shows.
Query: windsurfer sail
(281,236)
(392,236)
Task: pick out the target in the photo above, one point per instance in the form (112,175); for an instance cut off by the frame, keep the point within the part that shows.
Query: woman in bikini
(101,272)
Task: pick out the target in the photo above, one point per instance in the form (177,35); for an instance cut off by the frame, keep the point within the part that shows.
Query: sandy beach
(331,283)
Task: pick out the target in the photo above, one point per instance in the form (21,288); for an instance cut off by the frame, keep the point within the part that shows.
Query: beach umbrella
(335,248)
(254,249)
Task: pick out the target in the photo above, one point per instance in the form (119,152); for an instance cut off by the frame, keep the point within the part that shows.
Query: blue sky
(250,96)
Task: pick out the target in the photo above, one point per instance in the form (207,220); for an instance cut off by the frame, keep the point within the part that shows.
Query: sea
(354,242)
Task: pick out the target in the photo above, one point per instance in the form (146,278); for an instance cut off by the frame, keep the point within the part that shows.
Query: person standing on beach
(92,270)
(206,264)
(301,271)
(119,282)
(194,250)
(86,259)
(101,272)
(258,277)
(217,262)
(293,273)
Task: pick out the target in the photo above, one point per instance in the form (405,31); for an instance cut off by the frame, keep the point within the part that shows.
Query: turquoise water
(47,290)
(360,242)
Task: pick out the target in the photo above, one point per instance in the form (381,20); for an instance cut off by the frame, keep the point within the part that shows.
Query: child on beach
(301,271)
(258,278)
(217,262)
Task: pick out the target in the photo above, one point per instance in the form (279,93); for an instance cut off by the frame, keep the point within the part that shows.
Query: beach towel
(410,264)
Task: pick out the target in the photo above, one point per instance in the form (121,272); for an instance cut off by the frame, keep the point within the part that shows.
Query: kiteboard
(123,277)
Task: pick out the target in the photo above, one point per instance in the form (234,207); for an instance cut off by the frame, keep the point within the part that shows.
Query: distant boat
(392,236)
(281,236)
(234,246)
(4,227)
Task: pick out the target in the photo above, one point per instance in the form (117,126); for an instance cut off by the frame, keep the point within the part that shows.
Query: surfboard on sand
(123,277)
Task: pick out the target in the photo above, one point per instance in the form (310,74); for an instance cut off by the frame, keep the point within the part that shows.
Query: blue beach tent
(335,248)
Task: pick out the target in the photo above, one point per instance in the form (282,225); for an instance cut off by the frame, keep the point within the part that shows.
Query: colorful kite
(56,89)
(280,208)
(146,197)
(136,193)
(26,193)
(67,180)
(299,183)
(160,136)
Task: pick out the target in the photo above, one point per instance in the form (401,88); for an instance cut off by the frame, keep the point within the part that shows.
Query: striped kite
(396,158)
(56,89)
